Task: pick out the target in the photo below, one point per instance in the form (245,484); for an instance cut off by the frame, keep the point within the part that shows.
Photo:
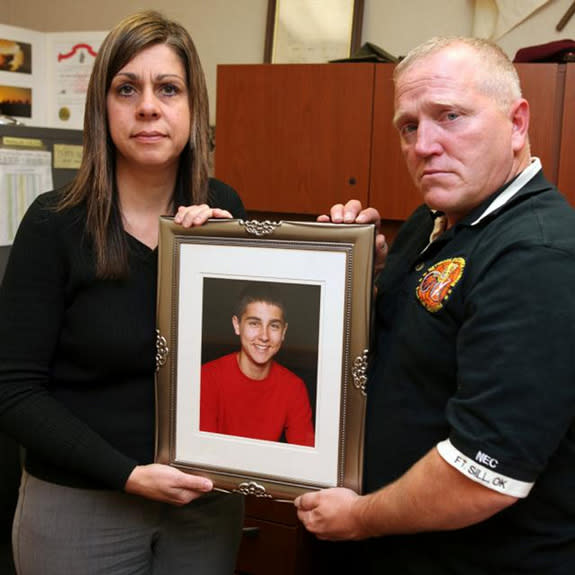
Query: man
(248,393)
(470,434)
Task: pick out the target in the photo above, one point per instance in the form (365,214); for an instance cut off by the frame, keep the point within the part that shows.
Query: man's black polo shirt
(476,351)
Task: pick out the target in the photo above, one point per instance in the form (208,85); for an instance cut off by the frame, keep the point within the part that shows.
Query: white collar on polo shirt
(513,188)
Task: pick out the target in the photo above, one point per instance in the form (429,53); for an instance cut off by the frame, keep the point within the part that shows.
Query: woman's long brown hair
(95,183)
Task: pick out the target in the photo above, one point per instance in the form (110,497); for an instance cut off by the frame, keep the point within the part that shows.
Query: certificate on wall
(312,31)
(71,58)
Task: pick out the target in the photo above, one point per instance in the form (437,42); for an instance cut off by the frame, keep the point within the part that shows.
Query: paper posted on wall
(24,175)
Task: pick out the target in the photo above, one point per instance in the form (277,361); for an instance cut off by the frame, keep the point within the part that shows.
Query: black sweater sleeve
(77,352)
(32,301)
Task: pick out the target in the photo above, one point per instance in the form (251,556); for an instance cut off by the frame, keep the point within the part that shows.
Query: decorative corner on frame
(162,350)
(257,228)
(252,488)
(359,372)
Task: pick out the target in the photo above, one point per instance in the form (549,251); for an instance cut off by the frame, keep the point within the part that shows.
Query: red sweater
(233,404)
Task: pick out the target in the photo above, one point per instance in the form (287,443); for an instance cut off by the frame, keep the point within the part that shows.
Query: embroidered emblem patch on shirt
(437,284)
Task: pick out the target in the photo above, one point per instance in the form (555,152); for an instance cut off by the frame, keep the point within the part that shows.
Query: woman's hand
(190,216)
(353,213)
(167,484)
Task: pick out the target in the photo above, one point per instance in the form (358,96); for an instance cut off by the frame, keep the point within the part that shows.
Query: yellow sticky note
(23,142)
(67,156)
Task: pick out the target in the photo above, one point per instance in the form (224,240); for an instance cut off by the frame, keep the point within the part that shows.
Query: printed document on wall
(71,57)
(24,175)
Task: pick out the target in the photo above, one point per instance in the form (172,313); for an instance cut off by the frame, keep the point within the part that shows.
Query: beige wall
(224,31)
(233,31)
(540,28)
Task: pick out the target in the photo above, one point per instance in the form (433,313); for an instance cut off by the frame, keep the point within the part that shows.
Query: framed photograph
(263,336)
(304,31)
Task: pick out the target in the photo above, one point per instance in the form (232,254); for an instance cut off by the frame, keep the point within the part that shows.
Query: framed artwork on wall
(304,31)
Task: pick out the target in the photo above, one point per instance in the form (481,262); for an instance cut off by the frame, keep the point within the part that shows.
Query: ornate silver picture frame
(322,274)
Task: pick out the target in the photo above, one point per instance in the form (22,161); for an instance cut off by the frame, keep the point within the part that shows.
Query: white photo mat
(250,456)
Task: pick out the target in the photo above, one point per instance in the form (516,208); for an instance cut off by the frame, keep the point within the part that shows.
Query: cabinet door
(392,191)
(566,181)
(267,547)
(294,138)
(542,86)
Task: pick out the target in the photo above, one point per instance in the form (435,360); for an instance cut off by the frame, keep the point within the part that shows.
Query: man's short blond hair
(496,77)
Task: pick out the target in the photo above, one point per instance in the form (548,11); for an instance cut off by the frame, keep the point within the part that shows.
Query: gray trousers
(62,530)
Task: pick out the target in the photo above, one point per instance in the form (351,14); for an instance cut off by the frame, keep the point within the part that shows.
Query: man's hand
(431,496)
(190,216)
(331,514)
(167,484)
(353,213)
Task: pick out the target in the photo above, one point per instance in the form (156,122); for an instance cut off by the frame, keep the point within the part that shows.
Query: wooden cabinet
(272,537)
(295,139)
(275,542)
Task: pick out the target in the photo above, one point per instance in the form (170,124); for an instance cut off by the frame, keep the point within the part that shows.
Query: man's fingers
(307,501)
(369,216)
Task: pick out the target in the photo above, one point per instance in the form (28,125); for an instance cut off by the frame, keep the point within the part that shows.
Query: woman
(77,327)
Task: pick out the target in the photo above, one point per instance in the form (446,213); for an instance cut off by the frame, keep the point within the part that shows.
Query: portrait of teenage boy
(247,392)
